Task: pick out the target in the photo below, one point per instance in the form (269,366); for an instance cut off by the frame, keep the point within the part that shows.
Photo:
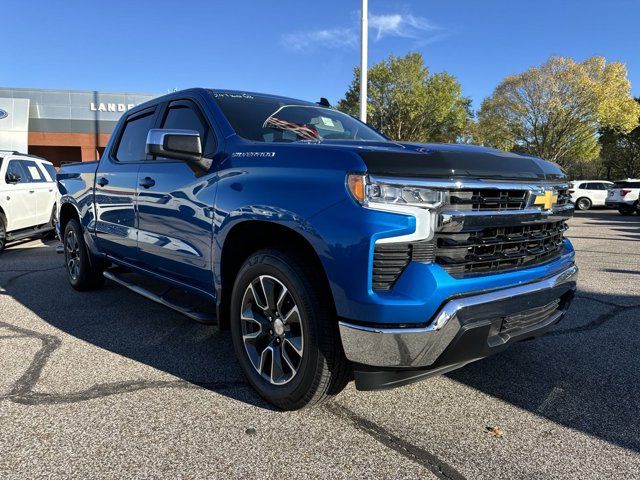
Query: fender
(288,219)
(76,189)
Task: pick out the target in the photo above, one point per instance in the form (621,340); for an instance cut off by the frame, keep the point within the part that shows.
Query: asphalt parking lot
(108,384)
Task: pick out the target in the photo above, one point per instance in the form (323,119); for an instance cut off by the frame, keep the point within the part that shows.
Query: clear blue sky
(298,48)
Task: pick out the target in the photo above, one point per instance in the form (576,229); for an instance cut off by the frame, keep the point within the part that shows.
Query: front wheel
(82,273)
(284,334)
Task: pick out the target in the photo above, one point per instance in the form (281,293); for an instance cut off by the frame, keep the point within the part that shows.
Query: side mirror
(182,145)
(12,177)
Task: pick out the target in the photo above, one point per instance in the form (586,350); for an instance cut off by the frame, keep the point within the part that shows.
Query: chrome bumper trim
(421,347)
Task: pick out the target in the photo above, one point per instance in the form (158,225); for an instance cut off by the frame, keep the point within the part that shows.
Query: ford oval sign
(3,114)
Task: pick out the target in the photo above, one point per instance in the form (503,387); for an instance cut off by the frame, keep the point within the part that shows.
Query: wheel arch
(67,212)
(249,236)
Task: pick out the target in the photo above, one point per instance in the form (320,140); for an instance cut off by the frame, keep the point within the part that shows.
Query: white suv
(585,194)
(624,196)
(27,196)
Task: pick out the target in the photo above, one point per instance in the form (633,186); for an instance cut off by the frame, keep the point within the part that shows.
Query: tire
(82,273)
(626,211)
(3,232)
(304,363)
(53,221)
(583,203)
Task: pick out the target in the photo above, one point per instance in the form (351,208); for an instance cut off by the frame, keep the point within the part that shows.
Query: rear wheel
(626,210)
(583,203)
(284,334)
(83,274)
(3,232)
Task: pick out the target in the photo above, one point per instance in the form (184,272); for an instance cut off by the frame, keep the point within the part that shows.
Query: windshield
(272,119)
(626,185)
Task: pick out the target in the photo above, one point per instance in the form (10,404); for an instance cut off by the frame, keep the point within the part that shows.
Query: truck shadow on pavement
(585,374)
(115,320)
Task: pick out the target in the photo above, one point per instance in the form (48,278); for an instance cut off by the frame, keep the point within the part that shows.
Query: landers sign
(110,107)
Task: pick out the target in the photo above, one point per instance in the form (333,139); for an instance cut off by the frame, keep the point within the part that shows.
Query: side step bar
(22,234)
(198,316)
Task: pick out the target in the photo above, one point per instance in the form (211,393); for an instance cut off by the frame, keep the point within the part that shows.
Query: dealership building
(61,125)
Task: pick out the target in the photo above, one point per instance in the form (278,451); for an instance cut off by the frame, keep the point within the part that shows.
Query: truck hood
(450,161)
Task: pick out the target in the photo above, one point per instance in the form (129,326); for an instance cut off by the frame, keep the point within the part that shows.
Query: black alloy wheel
(285,331)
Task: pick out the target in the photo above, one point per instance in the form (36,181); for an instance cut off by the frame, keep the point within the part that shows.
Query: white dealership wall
(14,124)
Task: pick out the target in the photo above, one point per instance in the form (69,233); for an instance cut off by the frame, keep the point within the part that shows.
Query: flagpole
(363,61)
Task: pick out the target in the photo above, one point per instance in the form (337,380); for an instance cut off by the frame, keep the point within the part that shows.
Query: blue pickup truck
(329,251)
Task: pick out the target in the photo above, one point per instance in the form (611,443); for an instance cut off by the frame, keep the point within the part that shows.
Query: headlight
(420,202)
(370,193)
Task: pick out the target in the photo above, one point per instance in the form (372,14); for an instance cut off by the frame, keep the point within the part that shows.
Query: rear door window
(133,140)
(15,167)
(34,174)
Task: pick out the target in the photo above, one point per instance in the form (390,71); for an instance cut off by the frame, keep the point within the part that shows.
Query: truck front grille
(495,199)
(390,260)
(483,228)
(488,199)
(564,197)
(499,248)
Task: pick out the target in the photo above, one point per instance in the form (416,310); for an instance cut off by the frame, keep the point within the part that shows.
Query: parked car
(589,193)
(27,197)
(624,196)
(329,251)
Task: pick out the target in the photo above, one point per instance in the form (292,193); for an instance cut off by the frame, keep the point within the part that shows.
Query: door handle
(102,181)
(147,182)
(32,191)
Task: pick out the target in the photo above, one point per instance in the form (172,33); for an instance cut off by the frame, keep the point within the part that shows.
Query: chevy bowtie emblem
(547,200)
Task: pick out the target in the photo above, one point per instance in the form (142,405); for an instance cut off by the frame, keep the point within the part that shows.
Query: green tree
(407,103)
(620,154)
(555,111)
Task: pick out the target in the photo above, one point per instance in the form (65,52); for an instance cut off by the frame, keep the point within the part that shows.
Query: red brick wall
(60,146)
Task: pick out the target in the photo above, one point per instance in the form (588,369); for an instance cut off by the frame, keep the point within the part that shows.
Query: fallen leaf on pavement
(494,431)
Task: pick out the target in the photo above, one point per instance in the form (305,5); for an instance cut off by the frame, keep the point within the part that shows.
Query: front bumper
(464,329)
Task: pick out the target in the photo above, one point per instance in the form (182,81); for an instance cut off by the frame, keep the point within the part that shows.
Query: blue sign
(3,114)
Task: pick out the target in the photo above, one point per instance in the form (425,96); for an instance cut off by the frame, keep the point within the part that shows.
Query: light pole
(363,60)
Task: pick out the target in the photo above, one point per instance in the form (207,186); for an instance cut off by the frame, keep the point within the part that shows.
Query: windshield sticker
(244,96)
(326,121)
(35,174)
(254,154)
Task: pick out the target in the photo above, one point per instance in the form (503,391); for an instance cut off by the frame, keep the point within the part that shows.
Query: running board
(198,316)
(22,234)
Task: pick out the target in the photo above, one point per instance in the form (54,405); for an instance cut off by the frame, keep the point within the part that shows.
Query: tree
(555,111)
(406,102)
(621,152)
